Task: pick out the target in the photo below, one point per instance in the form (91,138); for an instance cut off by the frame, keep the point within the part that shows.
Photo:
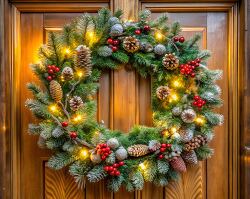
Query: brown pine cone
(170,61)
(83,60)
(178,164)
(67,73)
(190,157)
(75,103)
(131,44)
(55,91)
(138,150)
(195,142)
(162,92)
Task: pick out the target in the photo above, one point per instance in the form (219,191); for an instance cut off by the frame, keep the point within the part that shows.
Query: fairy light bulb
(173,97)
(159,36)
(66,51)
(53,108)
(177,83)
(77,118)
(142,166)
(83,154)
(79,74)
(173,130)
(200,120)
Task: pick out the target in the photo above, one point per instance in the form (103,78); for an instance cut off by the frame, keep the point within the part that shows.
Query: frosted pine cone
(67,73)
(83,60)
(160,49)
(178,164)
(75,103)
(195,142)
(146,47)
(55,91)
(138,150)
(113,143)
(154,145)
(170,61)
(176,111)
(131,44)
(188,115)
(186,134)
(190,157)
(121,154)
(162,92)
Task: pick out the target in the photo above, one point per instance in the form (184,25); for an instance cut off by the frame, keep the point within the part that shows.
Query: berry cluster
(163,148)
(113,169)
(103,150)
(188,69)
(73,135)
(145,29)
(52,70)
(180,39)
(113,44)
(198,101)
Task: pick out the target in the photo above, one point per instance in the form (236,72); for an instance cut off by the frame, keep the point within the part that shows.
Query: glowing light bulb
(77,118)
(173,97)
(177,83)
(159,36)
(200,120)
(142,166)
(173,130)
(83,153)
(79,74)
(53,108)
(67,51)
(165,133)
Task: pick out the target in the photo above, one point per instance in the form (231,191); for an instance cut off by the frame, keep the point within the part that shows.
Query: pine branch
(60,160)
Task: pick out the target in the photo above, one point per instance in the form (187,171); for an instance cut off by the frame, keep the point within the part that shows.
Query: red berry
(104,145)
(176,39)
(57,69)
(162,149)
(50,71)
(197,65)
(200,101)
(112,173)
(160,156)
(147,28)
(169,145)
(103,157)
(49,67)
(53,67)
(73,135)
(49,78)
(121,163)
(117,173)
(181,39)
(116,165)
(182,65)
(163,145)
(192,62)
(64,124)
(196,97)
(111,168)
(182,71)
(199,105)
(204,102)
(106,168)
(109,152)
(198,60)
(116,42)
(106,154)
(114,48)
(195,103)
(99,151)
(138,32)
(110,41)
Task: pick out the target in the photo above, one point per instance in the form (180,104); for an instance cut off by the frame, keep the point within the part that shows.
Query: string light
(53,108)
(200,120)
(79,73)
(177,83)
(159,36)
(142,166)
(67,51)
(84,153)
(173,130)
(91,37)
(165,133)
(173,97)
(77,118)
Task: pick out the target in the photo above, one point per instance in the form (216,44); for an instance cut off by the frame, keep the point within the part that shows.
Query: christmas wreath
(183,95)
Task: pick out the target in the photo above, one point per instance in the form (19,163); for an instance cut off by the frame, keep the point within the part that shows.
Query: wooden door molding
(11,104)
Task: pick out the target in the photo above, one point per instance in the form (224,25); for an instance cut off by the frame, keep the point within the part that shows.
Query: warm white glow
(83,153)
(159,36)
(173,97)
(177,83)
(173,130)
(142,166)
(53,108)
(67,51)
(79,74)
(77,118)
(200,120)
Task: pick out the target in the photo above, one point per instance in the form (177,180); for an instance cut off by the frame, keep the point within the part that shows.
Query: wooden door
(124,100)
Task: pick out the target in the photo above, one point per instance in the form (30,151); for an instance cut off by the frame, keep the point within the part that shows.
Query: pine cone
(160,49)
(188,115)
(186,134)
(195,142)
(55,91)
(154,145)
(146,47)
(170,61)
(131,44)
(83,60)
(75,103)
(67,73)
(190,157)
(138,150)
(162,92)
(178,164)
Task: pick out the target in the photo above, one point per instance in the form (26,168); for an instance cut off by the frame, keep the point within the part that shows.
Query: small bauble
(113,20)
(110,41)
(55,91)
(162,92)
(146,28)
(146,47)
(116,30)
(114,48)
(154,145)
(170,61)
(73,135)
(181,39)
(176,111)
(95,158)
(104,51)
(160,49)
(175,39)
(116,42)
(113,143)
(138,32)
(121,154)
(188,115)
(49,78)
(75,103)
(131,44)
(67,73)
(176,136)
(64,124)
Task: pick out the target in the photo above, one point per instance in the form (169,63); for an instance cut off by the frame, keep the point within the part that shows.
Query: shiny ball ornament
(116,30)
(121,154)
(175,39)
(113,143)
(181,39)
(160,49)
(116,42)
(138,32)
(110,41)
(64,124)
(49,78)
(188,115)
(146,28)
(95,158)
(114,48)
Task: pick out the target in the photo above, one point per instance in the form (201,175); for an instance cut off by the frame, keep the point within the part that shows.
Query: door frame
(10,67)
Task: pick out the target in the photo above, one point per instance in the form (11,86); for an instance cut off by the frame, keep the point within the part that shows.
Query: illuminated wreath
(183,96)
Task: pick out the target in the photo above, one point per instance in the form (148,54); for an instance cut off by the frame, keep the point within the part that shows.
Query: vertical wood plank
(217,166)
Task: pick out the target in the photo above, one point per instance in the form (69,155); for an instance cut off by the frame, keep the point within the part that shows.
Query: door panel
(124,100)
